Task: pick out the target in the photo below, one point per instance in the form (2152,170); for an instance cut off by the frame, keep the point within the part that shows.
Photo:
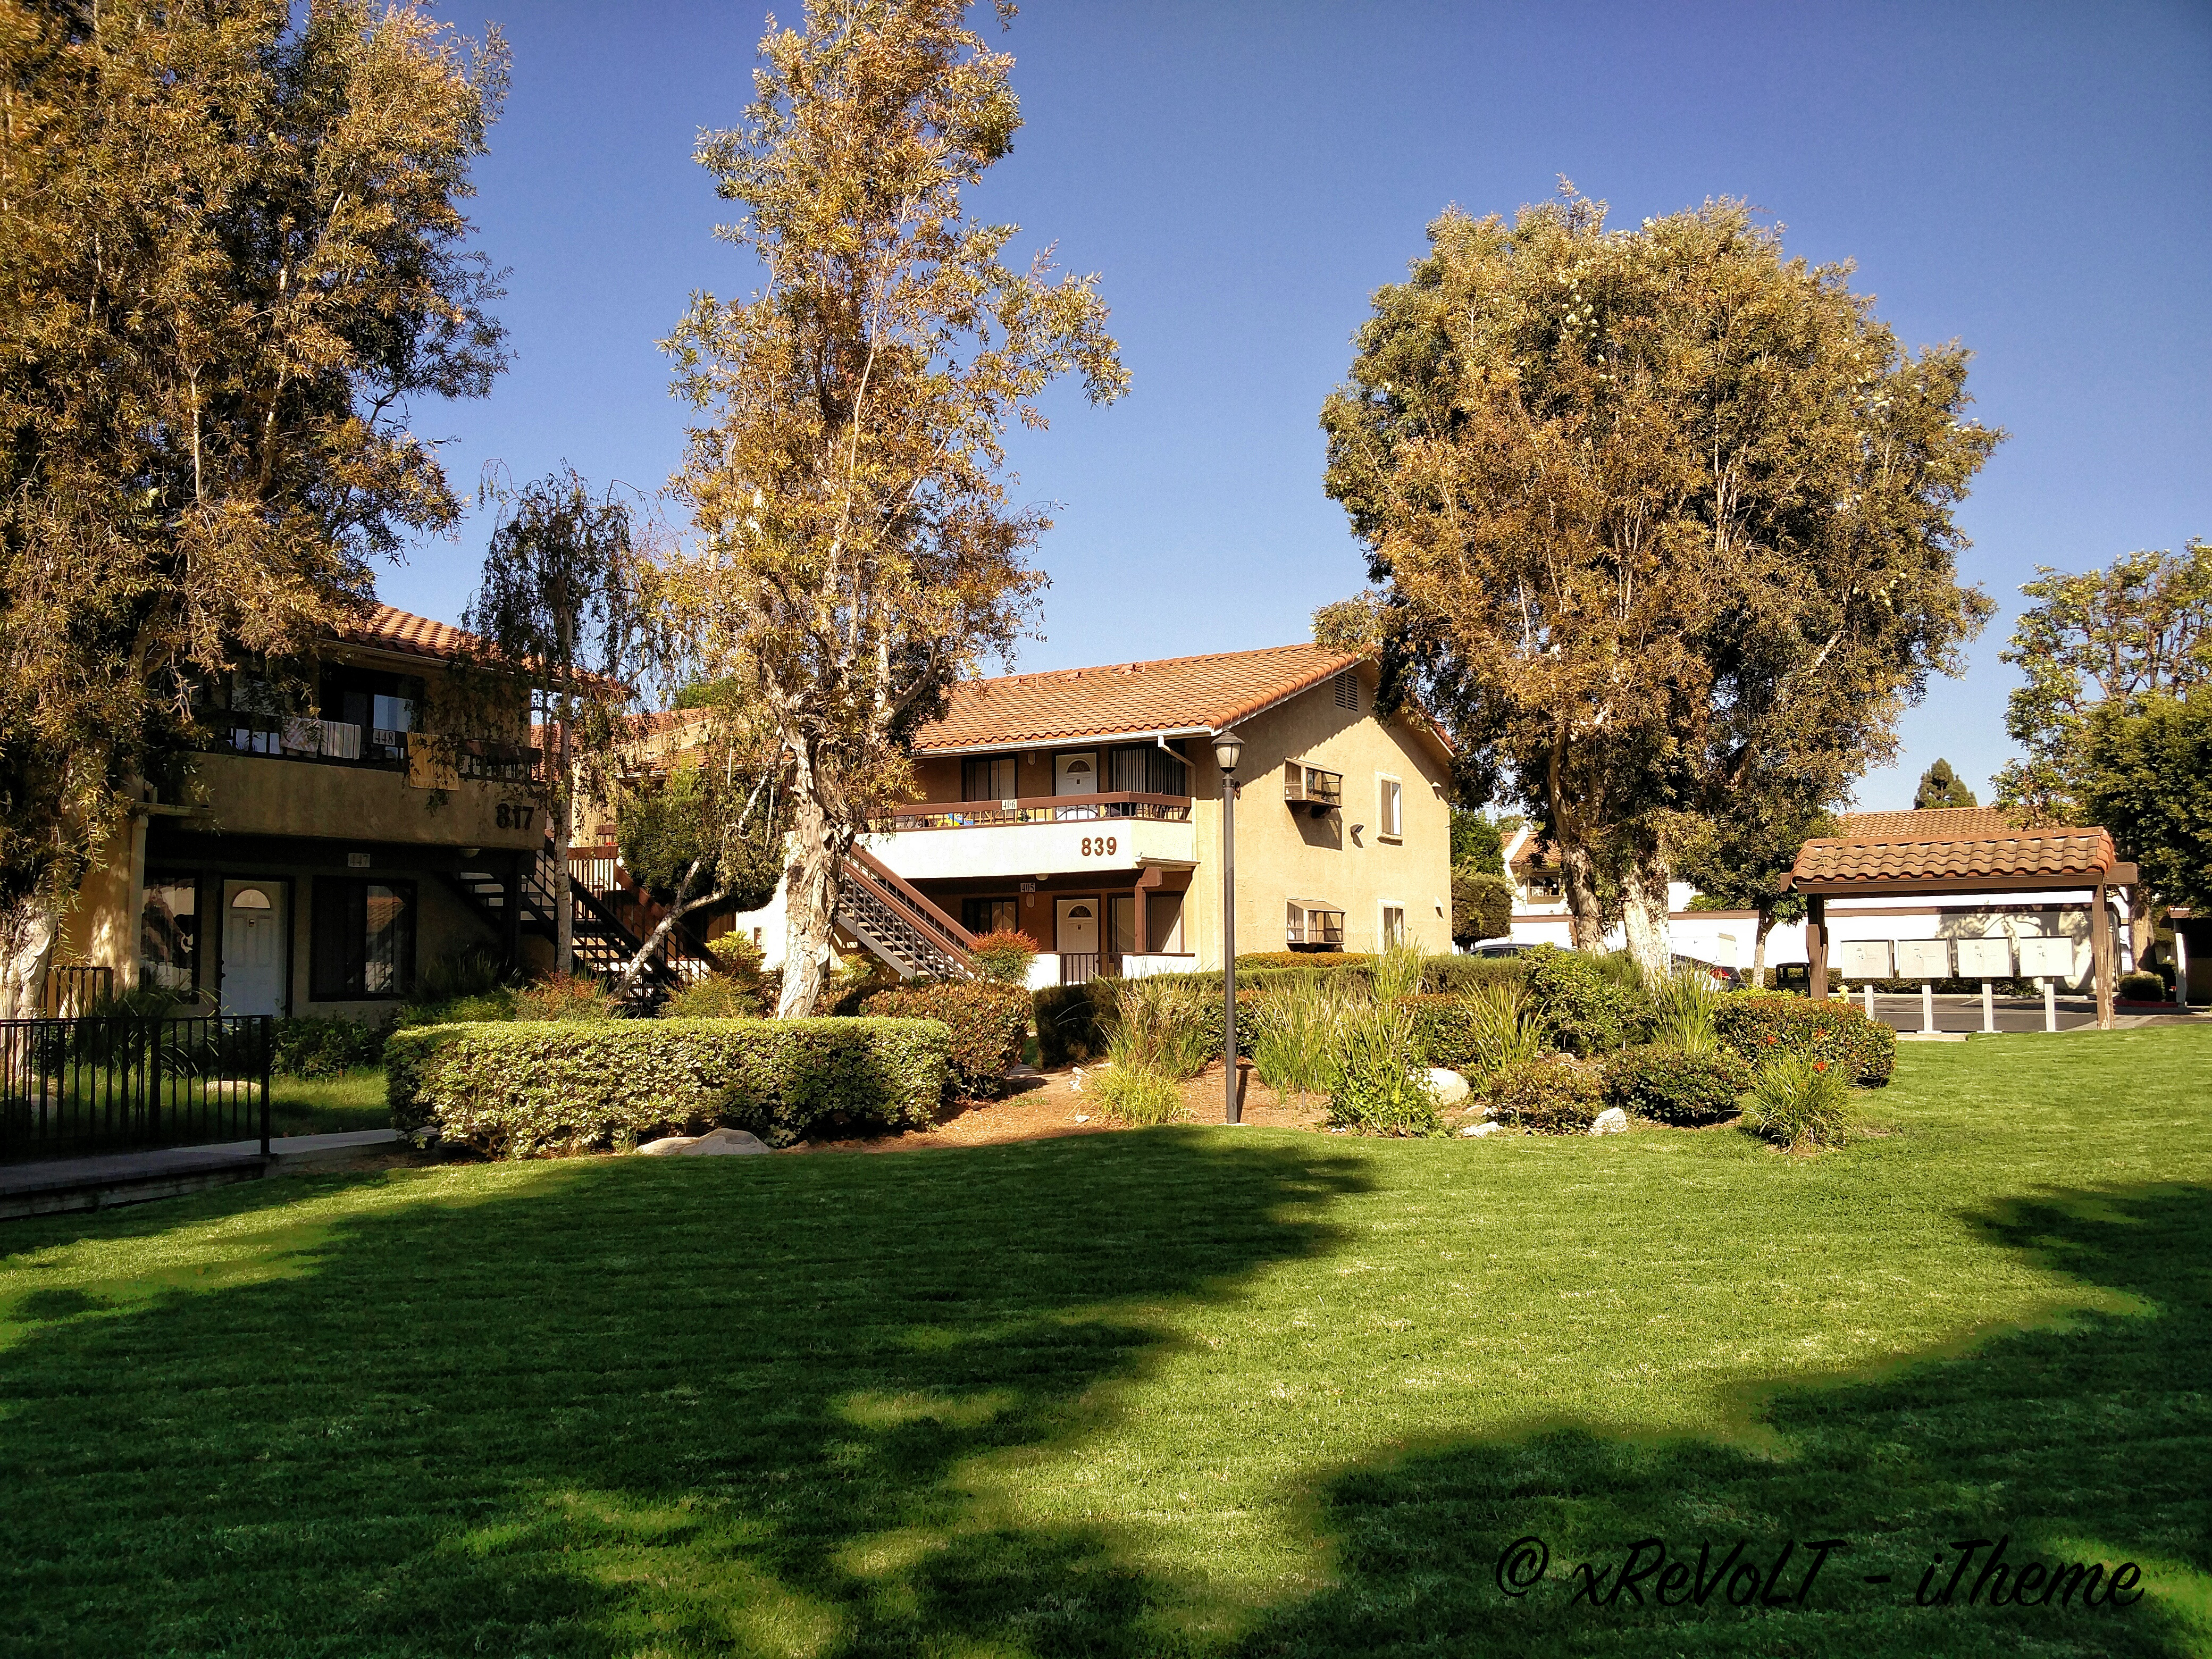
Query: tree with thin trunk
(561,609)
(711,831)
(2104,645)
(855,548)
(231,254)
(1654,513)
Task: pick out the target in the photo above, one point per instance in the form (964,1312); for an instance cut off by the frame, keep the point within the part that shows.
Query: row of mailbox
(1931,958)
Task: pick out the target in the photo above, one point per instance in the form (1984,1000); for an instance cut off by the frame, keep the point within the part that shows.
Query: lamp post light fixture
(1228,750)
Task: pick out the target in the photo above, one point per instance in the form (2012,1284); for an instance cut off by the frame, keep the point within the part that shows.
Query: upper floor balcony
(1034,836)
(295,777)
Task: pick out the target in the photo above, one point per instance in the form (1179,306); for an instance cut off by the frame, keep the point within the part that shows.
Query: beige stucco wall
(1338,857)
(263,795)
(101,928)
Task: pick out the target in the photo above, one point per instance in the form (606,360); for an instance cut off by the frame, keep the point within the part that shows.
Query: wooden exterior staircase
(899,925)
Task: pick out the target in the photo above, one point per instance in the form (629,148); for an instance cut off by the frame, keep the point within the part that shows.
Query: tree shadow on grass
(2086,1441)
(631,1406)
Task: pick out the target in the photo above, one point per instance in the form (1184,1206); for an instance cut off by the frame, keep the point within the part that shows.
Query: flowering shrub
(1761,1026)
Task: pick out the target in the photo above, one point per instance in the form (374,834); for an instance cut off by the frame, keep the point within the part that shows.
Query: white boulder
(718,1143)
(1479,1131)
(1610,1122)
(1447,1086)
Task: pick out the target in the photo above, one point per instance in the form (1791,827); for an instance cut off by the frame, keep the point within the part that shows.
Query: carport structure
(1901,864)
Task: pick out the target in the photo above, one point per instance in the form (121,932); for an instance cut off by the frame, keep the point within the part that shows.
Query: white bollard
(1870,999)
(1989,1008)
(2049,1007)
(1927,1006)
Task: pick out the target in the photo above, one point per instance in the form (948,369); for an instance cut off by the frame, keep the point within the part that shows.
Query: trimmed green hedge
(1552,1094)
(528,1090)
(311,1048)
(989,1022)
(1765,1026)
(1670,1086)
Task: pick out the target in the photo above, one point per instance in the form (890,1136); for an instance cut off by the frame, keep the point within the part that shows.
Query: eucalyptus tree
(232,255)
(1656,516)
(856,548)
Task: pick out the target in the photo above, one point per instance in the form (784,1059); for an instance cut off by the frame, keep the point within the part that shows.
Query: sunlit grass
(1182,1390)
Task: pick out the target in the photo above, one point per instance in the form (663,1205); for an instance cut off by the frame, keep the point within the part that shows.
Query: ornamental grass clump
(1683,1005)
(1169,1028)
(1135,1094)
(1798,1103)
(1377,1085)
(1297,1029)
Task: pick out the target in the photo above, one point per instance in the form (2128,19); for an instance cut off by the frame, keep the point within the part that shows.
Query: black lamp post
(1228,750)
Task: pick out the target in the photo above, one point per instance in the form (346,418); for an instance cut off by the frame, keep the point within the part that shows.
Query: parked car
(1727,978)
(1499,947)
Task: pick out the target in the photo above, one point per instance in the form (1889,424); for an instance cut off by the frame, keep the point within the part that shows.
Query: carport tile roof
(1904,855)
(1211,692)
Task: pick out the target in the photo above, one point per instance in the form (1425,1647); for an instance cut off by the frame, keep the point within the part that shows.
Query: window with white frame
(1393,930)
(1390,809)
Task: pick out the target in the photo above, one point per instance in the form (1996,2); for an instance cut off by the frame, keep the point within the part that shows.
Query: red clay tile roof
(390,629)
(1909,854)
(1931,824)
(1213,692)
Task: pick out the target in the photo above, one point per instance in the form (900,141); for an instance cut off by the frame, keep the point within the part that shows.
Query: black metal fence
(109,1083)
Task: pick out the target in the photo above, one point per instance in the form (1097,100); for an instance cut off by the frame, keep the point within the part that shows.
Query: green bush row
(1671,1086)
(314,1047)
(537,1089)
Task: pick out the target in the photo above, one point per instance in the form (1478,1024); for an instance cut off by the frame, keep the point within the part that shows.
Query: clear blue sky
(2034,180)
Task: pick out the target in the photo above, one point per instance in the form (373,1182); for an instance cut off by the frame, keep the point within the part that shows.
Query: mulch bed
(1044,1104)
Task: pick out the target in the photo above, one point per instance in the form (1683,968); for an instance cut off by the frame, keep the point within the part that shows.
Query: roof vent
(1347,690)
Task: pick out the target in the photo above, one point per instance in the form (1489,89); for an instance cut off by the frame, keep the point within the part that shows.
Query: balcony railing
(1311,786)
(1036,809)
(1322,930)
(340,743)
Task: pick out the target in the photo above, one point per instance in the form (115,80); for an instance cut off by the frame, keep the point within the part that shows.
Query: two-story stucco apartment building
(316,858)
(1083,807)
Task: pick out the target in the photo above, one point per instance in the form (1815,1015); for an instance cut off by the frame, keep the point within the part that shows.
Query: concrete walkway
(55,1185)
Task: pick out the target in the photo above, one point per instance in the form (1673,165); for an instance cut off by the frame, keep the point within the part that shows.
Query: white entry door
(253,947)
(1078,927)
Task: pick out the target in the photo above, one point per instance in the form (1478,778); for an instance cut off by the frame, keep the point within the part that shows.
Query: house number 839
(1100,846)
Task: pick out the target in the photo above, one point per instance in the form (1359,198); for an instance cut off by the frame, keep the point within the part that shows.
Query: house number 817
(1100,846)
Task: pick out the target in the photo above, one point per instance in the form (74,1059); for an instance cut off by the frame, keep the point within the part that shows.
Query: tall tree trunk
(2142,925)
(28,928)
(1578,881)
(812,889)
(1759,931)
(1643,913)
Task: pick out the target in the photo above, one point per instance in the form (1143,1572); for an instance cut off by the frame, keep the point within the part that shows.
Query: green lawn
(318,1106)
(1245,1392)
